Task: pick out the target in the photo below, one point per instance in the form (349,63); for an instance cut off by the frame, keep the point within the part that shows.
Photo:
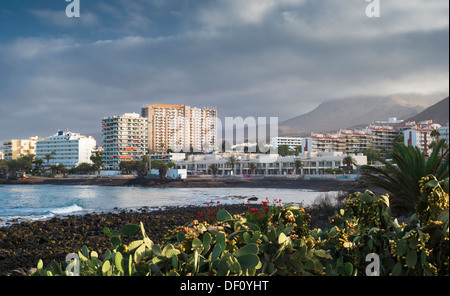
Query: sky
(278,58)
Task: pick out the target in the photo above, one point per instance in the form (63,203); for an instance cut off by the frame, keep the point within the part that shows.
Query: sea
(20,203)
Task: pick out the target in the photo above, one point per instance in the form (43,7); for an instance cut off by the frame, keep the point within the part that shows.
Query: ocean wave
(66,210)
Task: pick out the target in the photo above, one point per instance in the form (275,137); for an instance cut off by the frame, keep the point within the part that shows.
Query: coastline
(23,244)
(320,185)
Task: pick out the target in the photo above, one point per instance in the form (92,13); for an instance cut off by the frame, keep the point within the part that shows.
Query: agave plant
(401,176)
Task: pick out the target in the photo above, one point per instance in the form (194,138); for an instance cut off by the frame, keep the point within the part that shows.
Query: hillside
(438,113)
(336,114)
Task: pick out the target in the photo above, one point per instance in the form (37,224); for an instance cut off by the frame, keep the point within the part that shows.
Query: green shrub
(277,240)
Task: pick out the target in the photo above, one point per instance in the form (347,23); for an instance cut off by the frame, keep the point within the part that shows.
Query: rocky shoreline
(321,185)
(23,244)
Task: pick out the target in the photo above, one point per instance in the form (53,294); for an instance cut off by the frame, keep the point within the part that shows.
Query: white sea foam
(66,210)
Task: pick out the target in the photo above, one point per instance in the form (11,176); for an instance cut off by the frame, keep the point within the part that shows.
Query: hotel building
(291,142)
(13,149)
(180,128)
(124,138)
(70,149)
(419,134)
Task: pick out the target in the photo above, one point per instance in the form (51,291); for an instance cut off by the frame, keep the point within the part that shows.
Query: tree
(372,154)
(253,167)
(49,156)
(37,166)
(233,161)
(283,150)
(401,177)
(213,168)
(97,160)
(84,167)
(298,166)
(162,167)
(348,161)
(3,168)
(435,133)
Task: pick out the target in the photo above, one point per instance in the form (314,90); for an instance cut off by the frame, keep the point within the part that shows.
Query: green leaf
(223,215)
(333,231)
(40,264)
(220,240)
(247,249)
(134,245)
(247,237)
(172,252)
(401,247)
(281,238)
(348,267)
(227,264)
(215,252)
(115,242)
(56,268)
(129,229)
(206,240)
(366,198)
(248,260)
(106,267)
(309,264)
(197,244)
(322,254)
(142,229)
(139,254)
(432,183)
(106,231)
(118,261)
(411,258)
(156,249)
(397,270)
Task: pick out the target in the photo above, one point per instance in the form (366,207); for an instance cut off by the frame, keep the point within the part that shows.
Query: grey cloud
(277,58)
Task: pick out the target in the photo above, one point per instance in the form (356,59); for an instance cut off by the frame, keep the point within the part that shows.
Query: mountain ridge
(338,114)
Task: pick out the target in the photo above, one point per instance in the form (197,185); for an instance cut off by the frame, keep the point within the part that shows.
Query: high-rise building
(13,149)
(67,148)
(124,138)
(180,128)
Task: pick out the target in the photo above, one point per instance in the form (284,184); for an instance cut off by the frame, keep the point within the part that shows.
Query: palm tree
(213,168)
(49,156)
(233,161)
(253,167)
(401,177)
(298,166)
(435,133)
(348,161)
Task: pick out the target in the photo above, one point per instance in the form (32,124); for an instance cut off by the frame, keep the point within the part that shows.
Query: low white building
(291,142)
(69,149)
(267,164)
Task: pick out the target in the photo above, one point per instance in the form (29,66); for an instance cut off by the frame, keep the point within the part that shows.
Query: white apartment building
(180,128)
(70,149)
(124,138)
(292,142)
(443,133)
(419,134)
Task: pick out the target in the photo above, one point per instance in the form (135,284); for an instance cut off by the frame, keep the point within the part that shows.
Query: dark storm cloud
(253,57)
